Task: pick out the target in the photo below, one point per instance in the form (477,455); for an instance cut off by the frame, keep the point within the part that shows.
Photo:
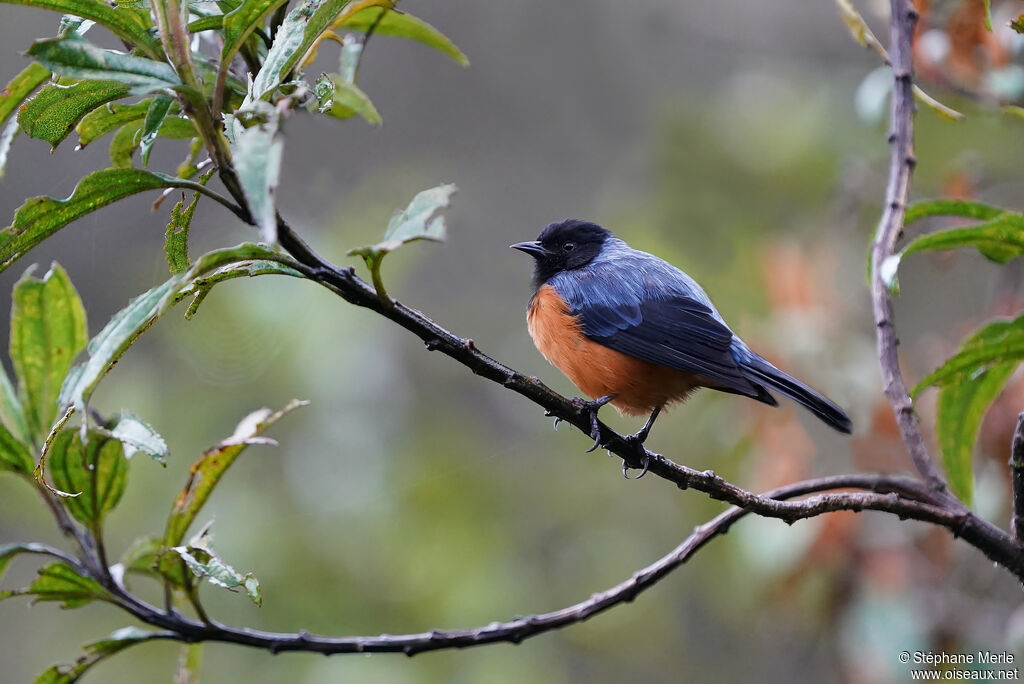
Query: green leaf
(1001,341)
(419,221)
(6,139)
(999,239)
(40,217)
(76,58)
(103,120)
(211,466)
(125,24)
(9,551)
(202,286)
(951,207)
(11,413)
(141,556)
(155,116)
(97,651)
(14,456)
(300,31)
(60,582)
(96,471)
(962,405)
(402,25)
(20,87)
(54,111)
(257,152)
(48,330)
(342,99)
(129,138)
(201,559)
(988,14)
(239,24)
(136,435)
(176,234)
(212,23)
(107,347)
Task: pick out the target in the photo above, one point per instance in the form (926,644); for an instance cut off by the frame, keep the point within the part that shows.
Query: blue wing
(679,333)
(639,305)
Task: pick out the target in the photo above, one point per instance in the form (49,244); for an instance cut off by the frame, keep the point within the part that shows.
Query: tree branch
(1017,480)
(882,488)
(890,228)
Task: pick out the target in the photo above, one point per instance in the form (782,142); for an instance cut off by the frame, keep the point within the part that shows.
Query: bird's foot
(592,407)
(636,440)
(645,462)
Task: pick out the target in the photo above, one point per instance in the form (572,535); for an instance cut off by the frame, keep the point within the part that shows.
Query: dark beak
(533,248)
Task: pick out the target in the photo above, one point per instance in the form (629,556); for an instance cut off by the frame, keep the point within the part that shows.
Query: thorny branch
(927,500)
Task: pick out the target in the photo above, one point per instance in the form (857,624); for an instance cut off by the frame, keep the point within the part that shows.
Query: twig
(890,227)
(1017,480)
(883,490)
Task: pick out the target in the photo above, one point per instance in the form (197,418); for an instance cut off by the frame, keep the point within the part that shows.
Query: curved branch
(883,497)
(890,228)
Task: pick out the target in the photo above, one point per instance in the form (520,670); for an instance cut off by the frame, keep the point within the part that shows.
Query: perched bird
(634,331)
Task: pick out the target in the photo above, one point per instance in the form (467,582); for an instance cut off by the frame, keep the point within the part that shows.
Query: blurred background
(744,142)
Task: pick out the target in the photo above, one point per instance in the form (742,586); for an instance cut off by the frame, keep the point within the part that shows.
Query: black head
(563,246)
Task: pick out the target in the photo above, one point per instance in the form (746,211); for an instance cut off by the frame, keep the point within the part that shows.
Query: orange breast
(637,385)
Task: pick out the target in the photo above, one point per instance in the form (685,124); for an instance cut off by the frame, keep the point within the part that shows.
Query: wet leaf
(103,120)
(48,330)
(96,471)
(211,466)
(176,234)
(127,25)
(401,25)
(419,221)
(342,99)
(299,32)
(129,138)
(151,124)
(240,22)
(201,559)
(136,435)
(53,112)
(20,87)
(10,131)
(77,58)
(257,152)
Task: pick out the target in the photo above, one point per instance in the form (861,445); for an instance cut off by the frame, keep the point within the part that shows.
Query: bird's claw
(645,462)
(592,407)
(636,441)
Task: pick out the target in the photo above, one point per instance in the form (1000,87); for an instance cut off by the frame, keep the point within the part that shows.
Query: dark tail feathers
(759,371)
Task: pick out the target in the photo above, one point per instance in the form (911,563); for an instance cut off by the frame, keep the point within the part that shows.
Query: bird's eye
(568,246)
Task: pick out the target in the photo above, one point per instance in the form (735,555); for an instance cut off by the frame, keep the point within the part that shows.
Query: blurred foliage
(386,510)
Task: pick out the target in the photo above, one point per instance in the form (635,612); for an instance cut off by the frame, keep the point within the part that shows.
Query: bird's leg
(592,407)
(638,439)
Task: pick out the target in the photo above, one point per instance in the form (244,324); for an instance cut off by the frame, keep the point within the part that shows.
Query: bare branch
(890,228)
(883,496)
(1017,480)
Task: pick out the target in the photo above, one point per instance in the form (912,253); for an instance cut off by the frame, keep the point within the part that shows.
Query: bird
(631,330)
